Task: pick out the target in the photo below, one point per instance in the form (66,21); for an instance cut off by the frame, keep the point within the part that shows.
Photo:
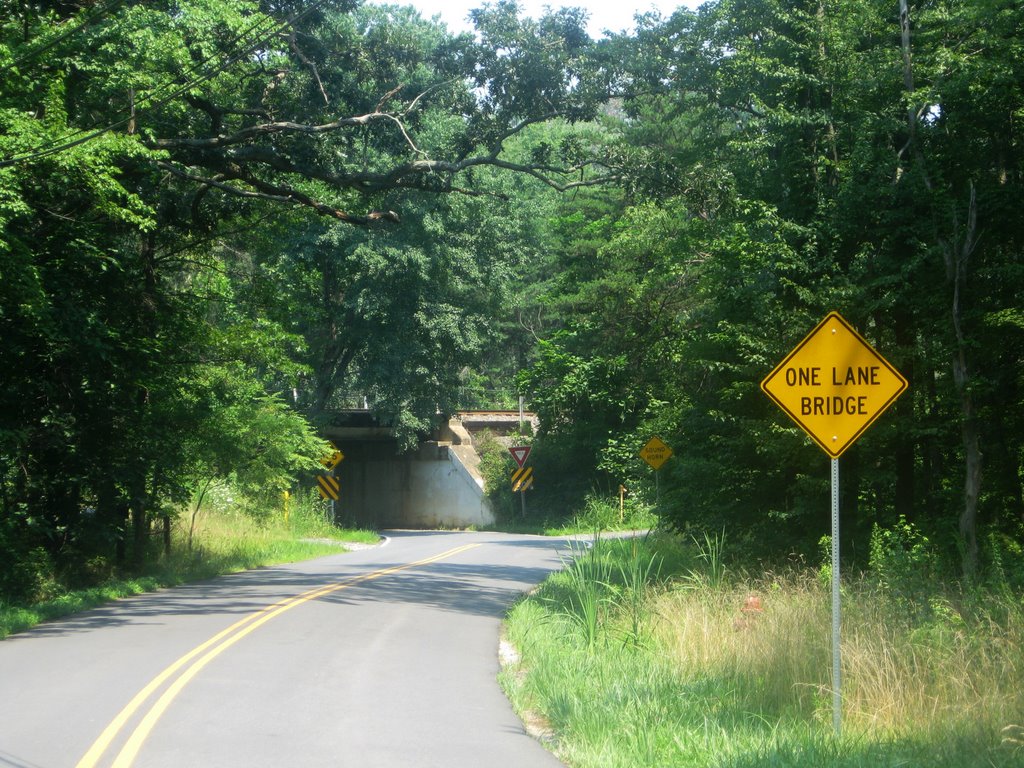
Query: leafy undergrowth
(226,541)
(644,653)
(598,514)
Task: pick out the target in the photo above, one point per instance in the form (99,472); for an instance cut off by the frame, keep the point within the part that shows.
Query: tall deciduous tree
(134,136)
(815,156)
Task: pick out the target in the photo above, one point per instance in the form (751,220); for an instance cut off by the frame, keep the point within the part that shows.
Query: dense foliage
(223,218)
(784,160)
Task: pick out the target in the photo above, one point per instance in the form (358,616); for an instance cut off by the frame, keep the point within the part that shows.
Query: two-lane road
(385,657)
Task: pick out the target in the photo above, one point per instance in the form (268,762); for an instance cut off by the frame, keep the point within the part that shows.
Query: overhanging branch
(240,161)
(277,193)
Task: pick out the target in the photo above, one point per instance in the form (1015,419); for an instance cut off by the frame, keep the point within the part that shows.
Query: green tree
(810,162)
(143,150)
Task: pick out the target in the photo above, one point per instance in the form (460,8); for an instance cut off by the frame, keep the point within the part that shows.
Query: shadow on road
(484,586)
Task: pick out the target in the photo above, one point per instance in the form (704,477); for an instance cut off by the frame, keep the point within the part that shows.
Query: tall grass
(735,671)
(605,514)
(584,598)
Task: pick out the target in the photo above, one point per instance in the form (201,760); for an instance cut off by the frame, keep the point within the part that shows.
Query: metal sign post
(834,385)
(837,698)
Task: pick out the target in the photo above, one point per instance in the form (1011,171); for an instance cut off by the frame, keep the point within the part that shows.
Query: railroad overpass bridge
(436,485)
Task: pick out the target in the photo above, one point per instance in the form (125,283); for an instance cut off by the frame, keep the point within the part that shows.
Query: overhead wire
(94,15)
(85,135)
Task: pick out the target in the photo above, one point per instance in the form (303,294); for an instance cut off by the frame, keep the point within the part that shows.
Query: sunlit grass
(736,671)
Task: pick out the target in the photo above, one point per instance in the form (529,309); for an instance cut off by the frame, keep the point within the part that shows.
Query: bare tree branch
(294,46)
(266,129)
(239,160)
(388,96)
(277,193)
(431,89)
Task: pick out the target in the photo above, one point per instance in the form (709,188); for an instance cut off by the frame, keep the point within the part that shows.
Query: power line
(55,146)
(83,135)
(90,18)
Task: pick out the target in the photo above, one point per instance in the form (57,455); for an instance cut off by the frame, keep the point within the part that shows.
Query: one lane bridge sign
(834,385)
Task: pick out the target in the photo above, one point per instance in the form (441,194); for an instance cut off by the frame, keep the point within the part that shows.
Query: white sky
(616,15)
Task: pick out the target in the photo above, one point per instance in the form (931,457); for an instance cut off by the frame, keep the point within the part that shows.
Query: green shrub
(903,564)
(1006,563)
(25,576)
(603,514)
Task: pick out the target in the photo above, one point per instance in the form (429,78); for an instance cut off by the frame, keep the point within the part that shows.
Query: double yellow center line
(188,666)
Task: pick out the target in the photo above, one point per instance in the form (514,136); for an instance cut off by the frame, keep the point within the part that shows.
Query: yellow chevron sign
(329,486)
(522,479)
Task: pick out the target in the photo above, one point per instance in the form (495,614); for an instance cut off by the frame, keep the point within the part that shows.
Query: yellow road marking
(212,648)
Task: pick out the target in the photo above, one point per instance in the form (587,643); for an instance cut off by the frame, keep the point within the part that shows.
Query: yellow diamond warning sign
(834,385)
(334,458)
(656,452)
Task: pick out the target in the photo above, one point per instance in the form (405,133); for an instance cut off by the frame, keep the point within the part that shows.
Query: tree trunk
(336,354)
(972,481)
(195,511)
(956,252)
(956,257)
(167,535)
(331,368)
(139,465)
(140,529)
(906,443)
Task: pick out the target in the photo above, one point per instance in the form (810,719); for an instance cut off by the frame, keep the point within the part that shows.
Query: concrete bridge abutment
(437,485)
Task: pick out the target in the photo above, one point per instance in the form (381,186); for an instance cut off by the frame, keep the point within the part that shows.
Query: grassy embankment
(649,653)
(225,540)
(597,514)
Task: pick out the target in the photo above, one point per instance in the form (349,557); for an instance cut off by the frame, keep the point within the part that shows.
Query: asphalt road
(381,658)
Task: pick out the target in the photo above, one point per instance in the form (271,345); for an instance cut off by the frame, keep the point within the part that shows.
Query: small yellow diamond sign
(334,458)
(834,385)
(655,452)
